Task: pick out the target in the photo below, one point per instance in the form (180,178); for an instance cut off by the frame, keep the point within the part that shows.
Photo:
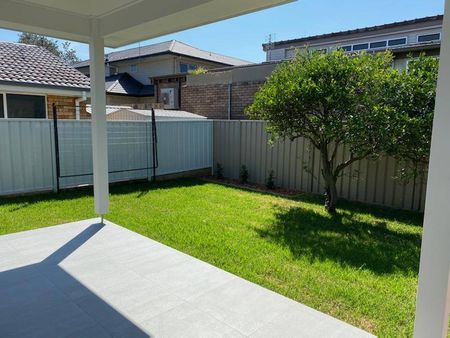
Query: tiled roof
(436,18)
(32,65)
(125,84)
(169,47)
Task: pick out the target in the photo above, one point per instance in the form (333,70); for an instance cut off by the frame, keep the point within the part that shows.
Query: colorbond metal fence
(297,166)
(28,159)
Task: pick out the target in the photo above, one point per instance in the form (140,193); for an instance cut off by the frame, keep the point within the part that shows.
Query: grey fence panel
(184,146)
(25,156)
(297,165)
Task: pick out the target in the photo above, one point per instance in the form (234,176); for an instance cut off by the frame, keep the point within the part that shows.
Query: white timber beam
(28,17)
(432,310)
(99,132)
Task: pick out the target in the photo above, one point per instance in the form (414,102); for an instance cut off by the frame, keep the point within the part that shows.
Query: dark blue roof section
(125,84)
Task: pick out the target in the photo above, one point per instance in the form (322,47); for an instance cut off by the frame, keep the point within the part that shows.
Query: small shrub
(244,174)
(219,171)
(270,183)
(198,71)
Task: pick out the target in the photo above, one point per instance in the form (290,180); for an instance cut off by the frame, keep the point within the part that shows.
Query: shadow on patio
(43,300)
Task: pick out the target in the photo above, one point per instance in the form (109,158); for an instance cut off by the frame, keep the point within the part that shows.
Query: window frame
(401,44)
(374,42)
(289,50)
(422,35)
(5,112)
(5,105)
(322,50)
(134,68)
(360,44)
(346,48)
(189,67)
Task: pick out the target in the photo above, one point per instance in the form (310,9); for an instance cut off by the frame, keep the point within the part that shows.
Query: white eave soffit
(120,22)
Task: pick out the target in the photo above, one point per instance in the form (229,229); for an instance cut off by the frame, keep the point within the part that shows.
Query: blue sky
(242,37)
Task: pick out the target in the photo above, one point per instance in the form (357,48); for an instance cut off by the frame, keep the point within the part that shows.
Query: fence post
(56,140)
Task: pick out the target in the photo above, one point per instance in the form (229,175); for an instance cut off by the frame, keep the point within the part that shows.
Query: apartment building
(405,38)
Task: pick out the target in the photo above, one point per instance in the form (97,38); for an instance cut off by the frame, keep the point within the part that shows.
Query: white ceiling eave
(121,22)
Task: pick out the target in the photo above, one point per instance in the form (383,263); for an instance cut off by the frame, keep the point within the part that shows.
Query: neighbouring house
(404,39)
(225,93)
(128,113)
(148,75)
(32,79)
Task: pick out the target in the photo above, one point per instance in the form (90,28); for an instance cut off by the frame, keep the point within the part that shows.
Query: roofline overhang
(160,54)
(349,33)
(42,89)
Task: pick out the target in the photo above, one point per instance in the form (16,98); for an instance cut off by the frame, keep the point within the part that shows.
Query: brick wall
(209,100)
(212,100)
(65,106)
(242,95)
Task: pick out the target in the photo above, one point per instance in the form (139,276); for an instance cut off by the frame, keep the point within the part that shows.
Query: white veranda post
(99,134)
(433,297)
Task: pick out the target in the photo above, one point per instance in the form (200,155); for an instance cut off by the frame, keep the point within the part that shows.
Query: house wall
(208,100)
(224,94)
(280,52)
(154,66)
(65,106)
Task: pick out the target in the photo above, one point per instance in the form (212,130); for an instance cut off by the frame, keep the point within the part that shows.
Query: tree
(65,51)
(332,100)
(413,99)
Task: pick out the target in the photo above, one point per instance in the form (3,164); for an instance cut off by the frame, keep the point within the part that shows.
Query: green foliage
(198,71)
(219,171)
(243,174)
(63,51)
(412,100)
(331,99)
(270,183)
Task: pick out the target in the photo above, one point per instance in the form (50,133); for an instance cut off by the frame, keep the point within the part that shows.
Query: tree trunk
(331,196)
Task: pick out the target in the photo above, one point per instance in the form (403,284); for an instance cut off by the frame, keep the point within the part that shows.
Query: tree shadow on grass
(344,239)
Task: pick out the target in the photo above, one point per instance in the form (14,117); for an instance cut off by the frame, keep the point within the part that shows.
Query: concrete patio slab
(84,279)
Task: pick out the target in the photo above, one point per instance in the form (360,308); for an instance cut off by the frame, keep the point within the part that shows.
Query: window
(429,37)
(360,46)
(378,44)
(321,50)
(2,109)
(133,68)
(185,68)
(346,48)
(397,42)
(26,106)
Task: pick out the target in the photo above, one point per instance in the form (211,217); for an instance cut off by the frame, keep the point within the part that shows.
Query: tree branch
(345,164)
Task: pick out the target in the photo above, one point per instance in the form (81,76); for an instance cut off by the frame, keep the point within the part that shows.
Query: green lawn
(360,265)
